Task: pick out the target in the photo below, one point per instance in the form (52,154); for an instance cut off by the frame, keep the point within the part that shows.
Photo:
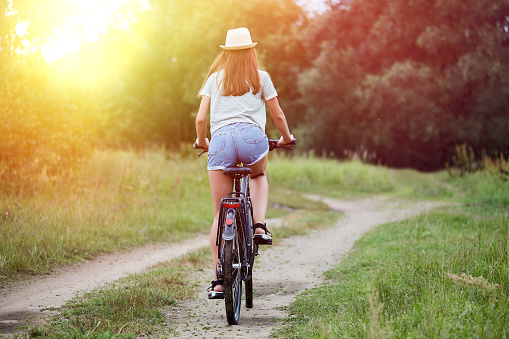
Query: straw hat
(238,38)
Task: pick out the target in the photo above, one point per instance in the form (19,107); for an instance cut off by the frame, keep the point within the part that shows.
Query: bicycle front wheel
(232,281)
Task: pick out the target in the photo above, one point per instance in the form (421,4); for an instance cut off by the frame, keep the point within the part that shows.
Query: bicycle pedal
(215,295)
(262,239)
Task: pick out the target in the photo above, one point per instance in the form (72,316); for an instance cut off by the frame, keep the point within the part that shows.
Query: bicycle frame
(235,222)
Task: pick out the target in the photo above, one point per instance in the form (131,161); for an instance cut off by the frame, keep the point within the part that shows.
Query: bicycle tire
(249,289)
(232,281)
(249,278)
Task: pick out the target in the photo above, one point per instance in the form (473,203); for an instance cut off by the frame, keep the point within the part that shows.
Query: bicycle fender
(229,227)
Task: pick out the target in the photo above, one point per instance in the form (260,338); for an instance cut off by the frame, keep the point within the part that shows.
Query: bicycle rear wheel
(249,289)
(249,237)
(232,281)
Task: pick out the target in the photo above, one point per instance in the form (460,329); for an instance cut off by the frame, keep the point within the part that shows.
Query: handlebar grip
(273,144)
(195,146)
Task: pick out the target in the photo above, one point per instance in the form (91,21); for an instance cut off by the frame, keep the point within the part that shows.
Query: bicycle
(237,245)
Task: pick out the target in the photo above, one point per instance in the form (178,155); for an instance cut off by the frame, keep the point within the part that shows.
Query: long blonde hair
(240,71)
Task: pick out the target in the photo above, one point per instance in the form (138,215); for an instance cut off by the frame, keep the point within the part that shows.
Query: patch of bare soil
(282,272)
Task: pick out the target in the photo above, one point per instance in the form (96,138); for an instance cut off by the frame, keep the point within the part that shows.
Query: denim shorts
(237,143)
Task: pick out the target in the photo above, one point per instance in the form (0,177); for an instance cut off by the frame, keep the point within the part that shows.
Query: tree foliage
(410,79)
(41,134)
(132,87)
(173,45)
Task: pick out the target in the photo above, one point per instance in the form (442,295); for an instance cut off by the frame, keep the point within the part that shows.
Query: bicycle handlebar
(272,146)
(195,146)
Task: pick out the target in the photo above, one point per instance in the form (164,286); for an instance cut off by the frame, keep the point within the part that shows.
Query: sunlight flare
(84,22)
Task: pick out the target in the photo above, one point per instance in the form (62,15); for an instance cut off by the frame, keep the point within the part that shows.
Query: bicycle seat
(237,170)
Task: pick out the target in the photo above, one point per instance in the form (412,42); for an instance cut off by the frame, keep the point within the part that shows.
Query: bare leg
(220,186)
(259,192)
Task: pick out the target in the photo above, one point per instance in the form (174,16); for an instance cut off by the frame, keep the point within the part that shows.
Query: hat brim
(235,48)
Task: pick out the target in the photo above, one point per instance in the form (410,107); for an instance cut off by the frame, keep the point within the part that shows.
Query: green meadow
(442,274)
(439,274)
(118,200)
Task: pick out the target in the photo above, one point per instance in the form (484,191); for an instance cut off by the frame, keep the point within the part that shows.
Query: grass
(355,179)
(122,199)
(485,190)
(303,221)
(119,200)
(130,307)
(442,274)
(133,306)
(292,200)
(416,278)
(299,214)
(327,176)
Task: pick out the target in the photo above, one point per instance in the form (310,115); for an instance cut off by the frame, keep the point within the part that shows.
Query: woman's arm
(280,121)
(201,123)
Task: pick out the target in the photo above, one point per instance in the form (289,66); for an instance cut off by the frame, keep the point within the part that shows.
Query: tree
(174,43)
(135,86)
(412,79)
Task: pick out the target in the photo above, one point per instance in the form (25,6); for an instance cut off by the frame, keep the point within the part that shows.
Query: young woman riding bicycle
(235,91)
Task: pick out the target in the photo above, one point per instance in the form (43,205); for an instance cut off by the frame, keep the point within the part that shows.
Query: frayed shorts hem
(260,158)
(216,168)
(222,168)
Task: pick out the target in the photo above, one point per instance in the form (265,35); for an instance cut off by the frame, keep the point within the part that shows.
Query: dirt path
(27,301)
(280,273)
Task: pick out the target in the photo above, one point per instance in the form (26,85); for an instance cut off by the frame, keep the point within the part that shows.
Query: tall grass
(328,176)
(355,178)
(121,199)
(485,179)
(484,189)
(118,200)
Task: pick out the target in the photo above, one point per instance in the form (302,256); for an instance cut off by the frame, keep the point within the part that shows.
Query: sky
(317,6)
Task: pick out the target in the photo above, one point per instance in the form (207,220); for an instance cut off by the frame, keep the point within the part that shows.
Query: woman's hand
(282,141)
(202,145)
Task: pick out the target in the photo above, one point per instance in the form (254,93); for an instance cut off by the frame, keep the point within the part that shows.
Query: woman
(235,91)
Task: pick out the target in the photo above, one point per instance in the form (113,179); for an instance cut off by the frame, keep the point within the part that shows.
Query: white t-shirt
(228,110)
